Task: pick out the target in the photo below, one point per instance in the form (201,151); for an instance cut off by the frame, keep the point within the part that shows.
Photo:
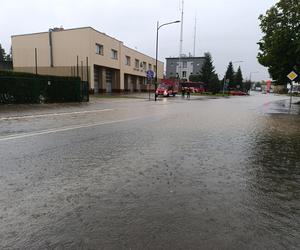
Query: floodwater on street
(203,173)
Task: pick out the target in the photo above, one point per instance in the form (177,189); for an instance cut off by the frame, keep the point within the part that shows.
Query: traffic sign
(292,76)
(150,74)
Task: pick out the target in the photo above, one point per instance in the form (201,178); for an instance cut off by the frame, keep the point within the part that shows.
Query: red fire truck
(167,88)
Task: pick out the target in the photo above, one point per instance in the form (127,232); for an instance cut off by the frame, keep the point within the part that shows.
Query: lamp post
(157,29)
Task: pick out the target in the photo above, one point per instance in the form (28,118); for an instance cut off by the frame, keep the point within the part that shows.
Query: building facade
(183,67)
(107,64)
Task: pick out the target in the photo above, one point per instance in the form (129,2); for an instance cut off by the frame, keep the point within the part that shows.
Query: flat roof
(43,32)
(86,27)
(187,57)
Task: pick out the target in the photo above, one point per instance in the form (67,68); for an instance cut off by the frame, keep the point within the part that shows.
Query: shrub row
(19,87)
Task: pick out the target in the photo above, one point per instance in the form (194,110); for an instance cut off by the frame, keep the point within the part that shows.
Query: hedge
(19,87)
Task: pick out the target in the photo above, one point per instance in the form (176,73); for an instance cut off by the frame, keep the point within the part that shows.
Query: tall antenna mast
(181,39)
(181,30)
(195,31)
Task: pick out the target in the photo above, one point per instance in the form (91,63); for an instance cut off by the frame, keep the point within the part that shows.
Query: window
(171,73)
(144,65)
(127,60)
(154,68)
(150,66)
(137,63)
(114,54)
(184,65)
(99,49)
(183,73)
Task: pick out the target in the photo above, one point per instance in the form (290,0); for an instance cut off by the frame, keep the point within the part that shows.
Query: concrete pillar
(96,80)
(121,81)
(125,82)
(129,83)
(115,81)
(103,80)
(91,77)
(137,84)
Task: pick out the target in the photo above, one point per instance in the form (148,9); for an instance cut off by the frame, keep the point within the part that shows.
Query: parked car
(258,89)
(237,92)
(296,89)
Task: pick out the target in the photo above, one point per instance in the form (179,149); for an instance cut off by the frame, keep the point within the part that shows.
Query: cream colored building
(104,61)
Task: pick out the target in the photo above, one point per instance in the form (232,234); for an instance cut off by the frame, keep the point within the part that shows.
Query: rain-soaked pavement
(132,174)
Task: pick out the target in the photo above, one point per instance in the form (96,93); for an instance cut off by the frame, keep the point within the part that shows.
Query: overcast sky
(228,29)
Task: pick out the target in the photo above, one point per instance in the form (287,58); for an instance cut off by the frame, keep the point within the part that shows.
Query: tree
(208,74)
(207,70)
(238,78)
(195,78)
(215,85)
(280,44)
(247,86)
(8,57)
(2,54)
(230,75)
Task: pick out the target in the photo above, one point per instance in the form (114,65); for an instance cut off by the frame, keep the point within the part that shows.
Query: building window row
(114,55)
(142,65)
(127,60)
(137,63)
(99,49)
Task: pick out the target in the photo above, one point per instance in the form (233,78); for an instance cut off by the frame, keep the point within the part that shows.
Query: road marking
(54,114)
(57,130)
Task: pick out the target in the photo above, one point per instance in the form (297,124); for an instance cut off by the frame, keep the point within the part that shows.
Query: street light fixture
(238,62)
(157,28)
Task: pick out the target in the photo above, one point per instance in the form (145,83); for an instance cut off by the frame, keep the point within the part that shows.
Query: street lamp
(225,76)
(157,28)
(237,62)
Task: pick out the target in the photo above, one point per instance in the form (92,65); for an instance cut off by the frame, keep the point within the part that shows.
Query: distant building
(183,67)
(107,64)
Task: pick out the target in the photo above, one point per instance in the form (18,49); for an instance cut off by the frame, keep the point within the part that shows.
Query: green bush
(19,87)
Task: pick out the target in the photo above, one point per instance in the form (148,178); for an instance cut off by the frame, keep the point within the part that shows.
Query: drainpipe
(51,48)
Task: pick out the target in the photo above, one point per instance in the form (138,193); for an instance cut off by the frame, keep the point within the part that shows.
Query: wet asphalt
(205,173)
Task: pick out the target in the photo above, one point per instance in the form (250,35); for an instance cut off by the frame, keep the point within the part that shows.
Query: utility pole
(181,41)
(156,52)
(195,32)
(35,59)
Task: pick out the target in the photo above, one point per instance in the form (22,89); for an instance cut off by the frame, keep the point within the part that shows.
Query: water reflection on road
(190,174)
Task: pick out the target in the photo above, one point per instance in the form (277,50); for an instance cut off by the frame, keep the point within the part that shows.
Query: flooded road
(133,174)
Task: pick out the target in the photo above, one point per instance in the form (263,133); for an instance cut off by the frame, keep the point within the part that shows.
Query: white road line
(56,130)
(54,114)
